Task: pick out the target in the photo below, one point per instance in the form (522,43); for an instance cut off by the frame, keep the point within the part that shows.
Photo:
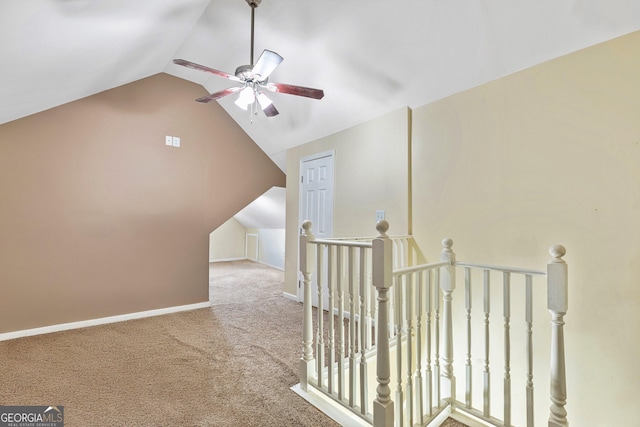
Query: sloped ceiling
(267,211)
(370,57)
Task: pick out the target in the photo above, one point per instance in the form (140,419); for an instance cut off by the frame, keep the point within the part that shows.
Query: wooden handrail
(502,269)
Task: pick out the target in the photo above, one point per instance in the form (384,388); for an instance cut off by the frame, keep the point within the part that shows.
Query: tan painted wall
(550,155)
(371,172)
(227,241)
(99,218)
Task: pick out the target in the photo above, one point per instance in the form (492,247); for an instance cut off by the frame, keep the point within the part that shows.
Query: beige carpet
(230,365)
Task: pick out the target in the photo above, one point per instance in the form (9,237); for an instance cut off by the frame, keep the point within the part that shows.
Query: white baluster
(382,274)
(320,334)
(406,251)
(332,330)
(352,327)
(372,305)
(398,329)
(307,257)
(429,374)
(467,303)
(419,385)
(506,293)
(369,315)
(363,332)
(436,338)
(486,394)
(403,253)
(448,285)
(396,254)
(529,321)
(392,315)
(341,342)
(557,303)
(409,328)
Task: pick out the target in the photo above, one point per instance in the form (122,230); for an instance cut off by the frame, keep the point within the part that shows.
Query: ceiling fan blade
(267,105)
(270,111)
(295,90)
(195,66)
(220,94)
(267,62)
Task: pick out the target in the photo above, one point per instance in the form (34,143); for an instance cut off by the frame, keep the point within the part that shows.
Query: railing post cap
(447,243)
(306,226)
(382,226)
(557,252)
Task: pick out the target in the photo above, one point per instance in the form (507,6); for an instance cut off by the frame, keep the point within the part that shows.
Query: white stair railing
(557,303)
(439,389)
(510,277)
(339,367)
(417,335)
(306,268)
(418,375)
(382,280)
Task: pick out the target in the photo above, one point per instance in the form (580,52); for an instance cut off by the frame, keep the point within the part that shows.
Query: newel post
(307,257)
(447,285)
(557,294)
(382,280)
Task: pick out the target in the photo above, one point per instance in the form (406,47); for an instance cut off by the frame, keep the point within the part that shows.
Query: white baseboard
(330,408)
(101,321)
(229,259)
(292,297)
(275,267)
(460,413)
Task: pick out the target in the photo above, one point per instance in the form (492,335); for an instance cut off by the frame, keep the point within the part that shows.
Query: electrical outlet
(379,215)
(176,141)
(168,140)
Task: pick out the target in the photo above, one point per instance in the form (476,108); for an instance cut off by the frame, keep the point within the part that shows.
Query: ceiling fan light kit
(254,79)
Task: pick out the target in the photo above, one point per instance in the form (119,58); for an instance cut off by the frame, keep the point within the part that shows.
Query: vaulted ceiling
(369,57)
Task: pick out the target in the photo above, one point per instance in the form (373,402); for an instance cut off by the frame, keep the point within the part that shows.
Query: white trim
(440,417)
(275,267)
(336,412)
(102,321)
(292,297)
(331,154)
(227,259)
(459,413)
(246,246)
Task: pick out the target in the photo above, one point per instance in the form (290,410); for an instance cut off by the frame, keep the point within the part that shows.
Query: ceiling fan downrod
(254,4)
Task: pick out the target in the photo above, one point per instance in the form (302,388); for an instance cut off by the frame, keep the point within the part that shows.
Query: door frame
(316,156)
(330,153)
(247,237)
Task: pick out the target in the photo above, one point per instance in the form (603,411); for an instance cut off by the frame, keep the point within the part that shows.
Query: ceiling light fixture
(254,79)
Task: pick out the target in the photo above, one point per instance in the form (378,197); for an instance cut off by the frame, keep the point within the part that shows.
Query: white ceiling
(370,57)
(267,211)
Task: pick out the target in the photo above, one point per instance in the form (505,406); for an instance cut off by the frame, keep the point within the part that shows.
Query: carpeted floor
(230,365)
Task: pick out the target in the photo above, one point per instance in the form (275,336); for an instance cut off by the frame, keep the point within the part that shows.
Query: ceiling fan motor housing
(245,72)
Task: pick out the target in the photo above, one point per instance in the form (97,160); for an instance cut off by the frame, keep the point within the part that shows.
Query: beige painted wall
(99,218)
(371,172)
(227,242)
(550,155)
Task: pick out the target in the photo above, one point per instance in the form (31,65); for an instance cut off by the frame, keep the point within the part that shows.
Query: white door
(316,204)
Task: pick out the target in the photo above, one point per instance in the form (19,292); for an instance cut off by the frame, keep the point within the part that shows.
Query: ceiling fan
(254,79)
